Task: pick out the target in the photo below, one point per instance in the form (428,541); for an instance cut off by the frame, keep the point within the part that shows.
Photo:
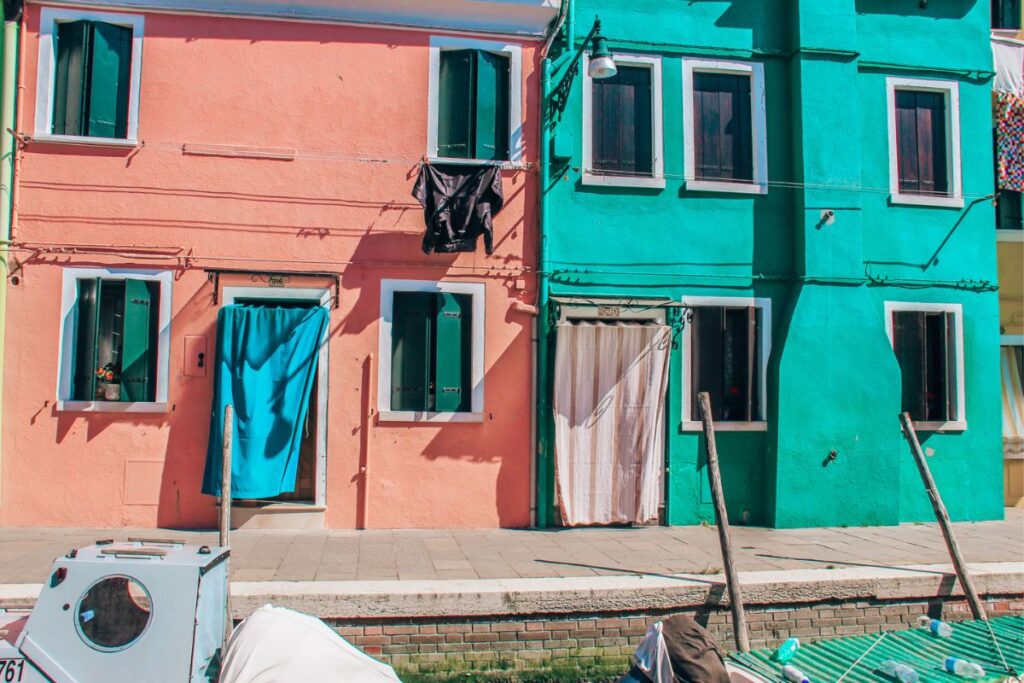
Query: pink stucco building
(176,159)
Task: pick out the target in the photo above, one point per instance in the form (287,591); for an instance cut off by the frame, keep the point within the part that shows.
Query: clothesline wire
(253,154)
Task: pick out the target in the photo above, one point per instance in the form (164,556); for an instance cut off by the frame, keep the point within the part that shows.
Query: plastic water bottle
(794,675)
(787,650)
(963,668)
(938,628)
(899,672)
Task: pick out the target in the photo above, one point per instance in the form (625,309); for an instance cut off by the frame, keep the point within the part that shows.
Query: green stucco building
(801,191)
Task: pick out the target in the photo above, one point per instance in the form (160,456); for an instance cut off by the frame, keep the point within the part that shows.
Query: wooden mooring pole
(225,514)
(977,609)
(739,617)
(225,479)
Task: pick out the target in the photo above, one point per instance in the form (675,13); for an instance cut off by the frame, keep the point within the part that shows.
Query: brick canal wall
(523,642)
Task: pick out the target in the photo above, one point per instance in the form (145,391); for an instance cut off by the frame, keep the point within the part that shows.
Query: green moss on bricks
(571,669)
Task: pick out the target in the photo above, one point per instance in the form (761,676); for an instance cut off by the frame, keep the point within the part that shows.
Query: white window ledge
(725,186)
(503,165)
(82,140)
(1010,235)
(695,426)
(951,426)
(411,416)
(651,182)
(111,407)
(926,200)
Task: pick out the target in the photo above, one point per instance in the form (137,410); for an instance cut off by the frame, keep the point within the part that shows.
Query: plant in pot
(108,383)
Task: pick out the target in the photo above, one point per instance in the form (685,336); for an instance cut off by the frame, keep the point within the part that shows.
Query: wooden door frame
(323,295)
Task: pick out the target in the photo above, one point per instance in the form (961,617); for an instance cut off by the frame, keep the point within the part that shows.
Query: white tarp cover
(278,645)
(610,382)
(1009,61)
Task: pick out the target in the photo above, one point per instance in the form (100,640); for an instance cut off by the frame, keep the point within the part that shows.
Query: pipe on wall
(8,103)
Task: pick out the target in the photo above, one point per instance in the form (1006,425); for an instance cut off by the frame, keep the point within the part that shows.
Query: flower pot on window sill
(111,392)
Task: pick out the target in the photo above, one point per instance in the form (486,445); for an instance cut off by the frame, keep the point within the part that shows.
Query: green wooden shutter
(136,355)
(86,317)
(109,81)
(492,107)
(69,94)
(411,332)
(453,355)
(455,104)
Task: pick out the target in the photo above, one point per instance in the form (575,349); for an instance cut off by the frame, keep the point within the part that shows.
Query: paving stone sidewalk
(26,553)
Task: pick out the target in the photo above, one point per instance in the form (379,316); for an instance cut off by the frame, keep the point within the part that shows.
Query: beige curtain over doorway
(609,405)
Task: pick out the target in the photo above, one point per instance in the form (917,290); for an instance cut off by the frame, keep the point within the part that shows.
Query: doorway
(311,478)
(610,385)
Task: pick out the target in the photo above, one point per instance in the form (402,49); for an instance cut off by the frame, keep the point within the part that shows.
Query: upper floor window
(727,343)
(1006,14)
(924,142)
(431,351)
(1009,212)
(89,67)
(115,340)
(724,123)
(622,125)
(475,91)
(927,340)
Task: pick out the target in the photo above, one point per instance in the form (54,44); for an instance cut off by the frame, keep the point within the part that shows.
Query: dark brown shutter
(708,338)
(909,344)
(921,142)
(723,128)
(621,123)
(951,362)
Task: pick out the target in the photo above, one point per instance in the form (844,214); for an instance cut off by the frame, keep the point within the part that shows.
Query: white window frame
(758,122)
(69,335)
(954,179)
(231,294)
(960,423)
(388,288)
(47,75)
(657,178)
(763,304)
(514,52)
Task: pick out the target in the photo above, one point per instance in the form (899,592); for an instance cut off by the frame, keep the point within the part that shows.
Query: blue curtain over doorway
(266,362)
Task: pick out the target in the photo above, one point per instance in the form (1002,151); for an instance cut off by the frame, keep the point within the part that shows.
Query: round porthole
(113,613)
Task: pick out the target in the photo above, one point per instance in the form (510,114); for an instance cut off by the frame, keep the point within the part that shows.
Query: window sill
(82,140)
(412,416)
(926,200)
(655,182)
(1009,235)
(725,186)
(941,427)
(110,407)
(503,165)
(694,426)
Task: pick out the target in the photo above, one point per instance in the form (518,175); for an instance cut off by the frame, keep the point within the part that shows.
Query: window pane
(1006,14)
(411,331)
(723,133)
(935,368)
(725,348)
(926,351)
(69,96)
(909,344)
(86,315)
(921,142)
(455,104)
(1009,214)
(622,123)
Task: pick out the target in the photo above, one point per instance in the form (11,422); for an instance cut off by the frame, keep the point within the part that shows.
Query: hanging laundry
(459,204)
(1008,57)
(1010,136)
(266,361)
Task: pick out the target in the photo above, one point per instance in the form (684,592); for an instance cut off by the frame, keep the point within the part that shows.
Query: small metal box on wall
(140,610)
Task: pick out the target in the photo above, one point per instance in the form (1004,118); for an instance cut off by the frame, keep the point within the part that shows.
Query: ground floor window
(431,348)
(727,345)
(927,342)
(112,348)
(1012,371)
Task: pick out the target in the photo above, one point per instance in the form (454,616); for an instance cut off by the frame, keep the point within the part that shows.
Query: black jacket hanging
(459,204)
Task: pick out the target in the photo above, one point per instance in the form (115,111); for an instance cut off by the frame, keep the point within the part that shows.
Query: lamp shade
(602,62)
